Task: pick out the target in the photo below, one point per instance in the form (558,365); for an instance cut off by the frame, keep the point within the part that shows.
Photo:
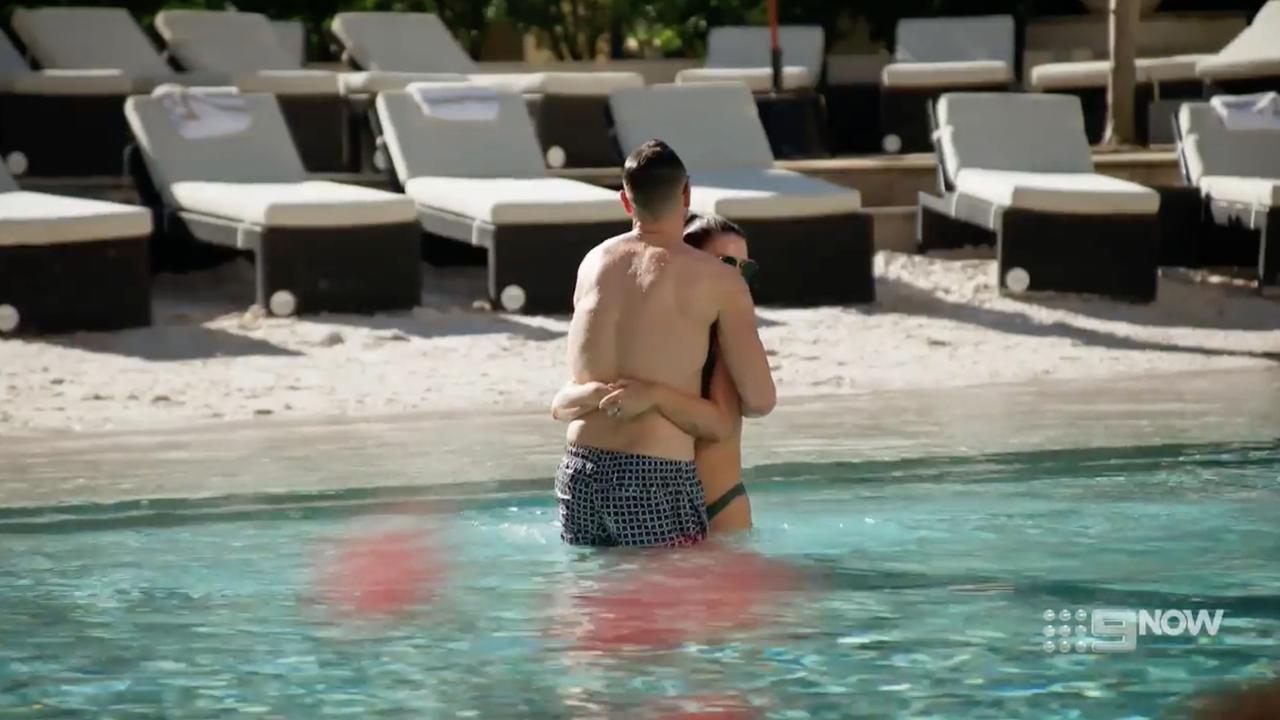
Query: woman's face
(727,244)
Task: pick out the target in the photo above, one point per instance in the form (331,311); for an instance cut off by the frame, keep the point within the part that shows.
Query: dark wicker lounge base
(823,260)
(853,118)
(581,126)
(905,112)
(362,269)
(67,287)
(542,260)
(65,136)
(1115,256)
(794,124)
(319,126)
(1232,231)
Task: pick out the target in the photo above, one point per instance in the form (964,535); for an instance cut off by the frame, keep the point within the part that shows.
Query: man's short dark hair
(654,178)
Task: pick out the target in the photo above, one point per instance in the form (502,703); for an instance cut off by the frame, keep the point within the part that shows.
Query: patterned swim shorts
(612,498)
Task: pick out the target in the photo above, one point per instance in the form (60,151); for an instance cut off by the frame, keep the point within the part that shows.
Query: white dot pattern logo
(1065,638)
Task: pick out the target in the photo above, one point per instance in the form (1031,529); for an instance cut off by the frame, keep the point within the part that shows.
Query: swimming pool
(924,585)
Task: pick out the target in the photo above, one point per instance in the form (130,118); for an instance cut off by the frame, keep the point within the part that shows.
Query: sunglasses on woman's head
(749,268)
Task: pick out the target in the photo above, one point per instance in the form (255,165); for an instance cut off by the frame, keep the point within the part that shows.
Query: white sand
(938,323)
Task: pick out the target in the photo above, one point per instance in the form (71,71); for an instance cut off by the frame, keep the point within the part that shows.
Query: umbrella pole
(775,48)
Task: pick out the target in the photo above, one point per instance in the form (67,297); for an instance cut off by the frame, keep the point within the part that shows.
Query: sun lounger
(60,122)
(937,55)
(812,242)
(69,264)
(570,109)
(1250,63)
(468,158)
(79,38)
(245,47)
(1159,82)
(225,172)
(1016,172)
(1237,172)
(793,119)
(293,37)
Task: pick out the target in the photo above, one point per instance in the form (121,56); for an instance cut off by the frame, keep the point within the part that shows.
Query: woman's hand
(629,399)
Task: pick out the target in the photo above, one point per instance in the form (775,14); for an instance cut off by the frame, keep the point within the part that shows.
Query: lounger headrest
(1035,132)
(455,101)
(464,131)
(740,46)
(1259,111)
(204,115)
(401,42)
(87,37)
(224,42)
(1210,147)
(713,126)
(949,39)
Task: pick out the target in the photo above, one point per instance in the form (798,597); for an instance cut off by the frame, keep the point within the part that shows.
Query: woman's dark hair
(698,229)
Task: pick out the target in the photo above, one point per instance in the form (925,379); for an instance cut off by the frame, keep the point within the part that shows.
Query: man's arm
(742,352)
(576,400)
(703,419)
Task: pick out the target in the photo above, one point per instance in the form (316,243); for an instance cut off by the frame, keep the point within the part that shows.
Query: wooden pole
(775,49)
(1123,40)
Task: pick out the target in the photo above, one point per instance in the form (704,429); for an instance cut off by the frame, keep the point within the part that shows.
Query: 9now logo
(1116,630)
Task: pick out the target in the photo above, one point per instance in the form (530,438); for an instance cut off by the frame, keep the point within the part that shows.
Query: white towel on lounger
(203,115)
(455,101)
(1260,111)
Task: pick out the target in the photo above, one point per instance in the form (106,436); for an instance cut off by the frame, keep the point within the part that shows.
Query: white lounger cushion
(1095,73)
(1255,52)
(712,126)
(742,47)
(1210,149)
(1077,193)
(955,39)
(88,37)
(757,79)
(1261,192)
(587,84)
(947,74)
(769,194)
(67,82)
(263,153)
(372,82)
(518,201)
(1013,131)
(33,218)
(405,42)
(313,203)
(401,42)
(288,82)
(420,145)
(226,42)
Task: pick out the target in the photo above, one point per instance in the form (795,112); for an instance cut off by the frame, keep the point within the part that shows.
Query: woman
(714,420)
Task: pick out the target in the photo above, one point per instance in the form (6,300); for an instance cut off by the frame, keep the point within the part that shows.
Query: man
(644,306)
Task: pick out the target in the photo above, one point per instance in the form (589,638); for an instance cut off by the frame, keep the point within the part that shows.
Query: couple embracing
(666,361)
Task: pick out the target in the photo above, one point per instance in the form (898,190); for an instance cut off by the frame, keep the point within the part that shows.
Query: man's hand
(628,399)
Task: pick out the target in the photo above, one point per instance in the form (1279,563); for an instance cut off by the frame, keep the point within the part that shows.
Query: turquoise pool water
(925,584)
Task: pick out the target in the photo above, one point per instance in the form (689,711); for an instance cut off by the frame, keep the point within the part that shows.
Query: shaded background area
(580,29)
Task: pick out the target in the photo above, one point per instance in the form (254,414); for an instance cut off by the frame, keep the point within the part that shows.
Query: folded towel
(455,101)
(1260,111)
(205,114)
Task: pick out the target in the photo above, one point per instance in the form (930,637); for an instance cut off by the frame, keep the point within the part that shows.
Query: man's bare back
(643,312)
